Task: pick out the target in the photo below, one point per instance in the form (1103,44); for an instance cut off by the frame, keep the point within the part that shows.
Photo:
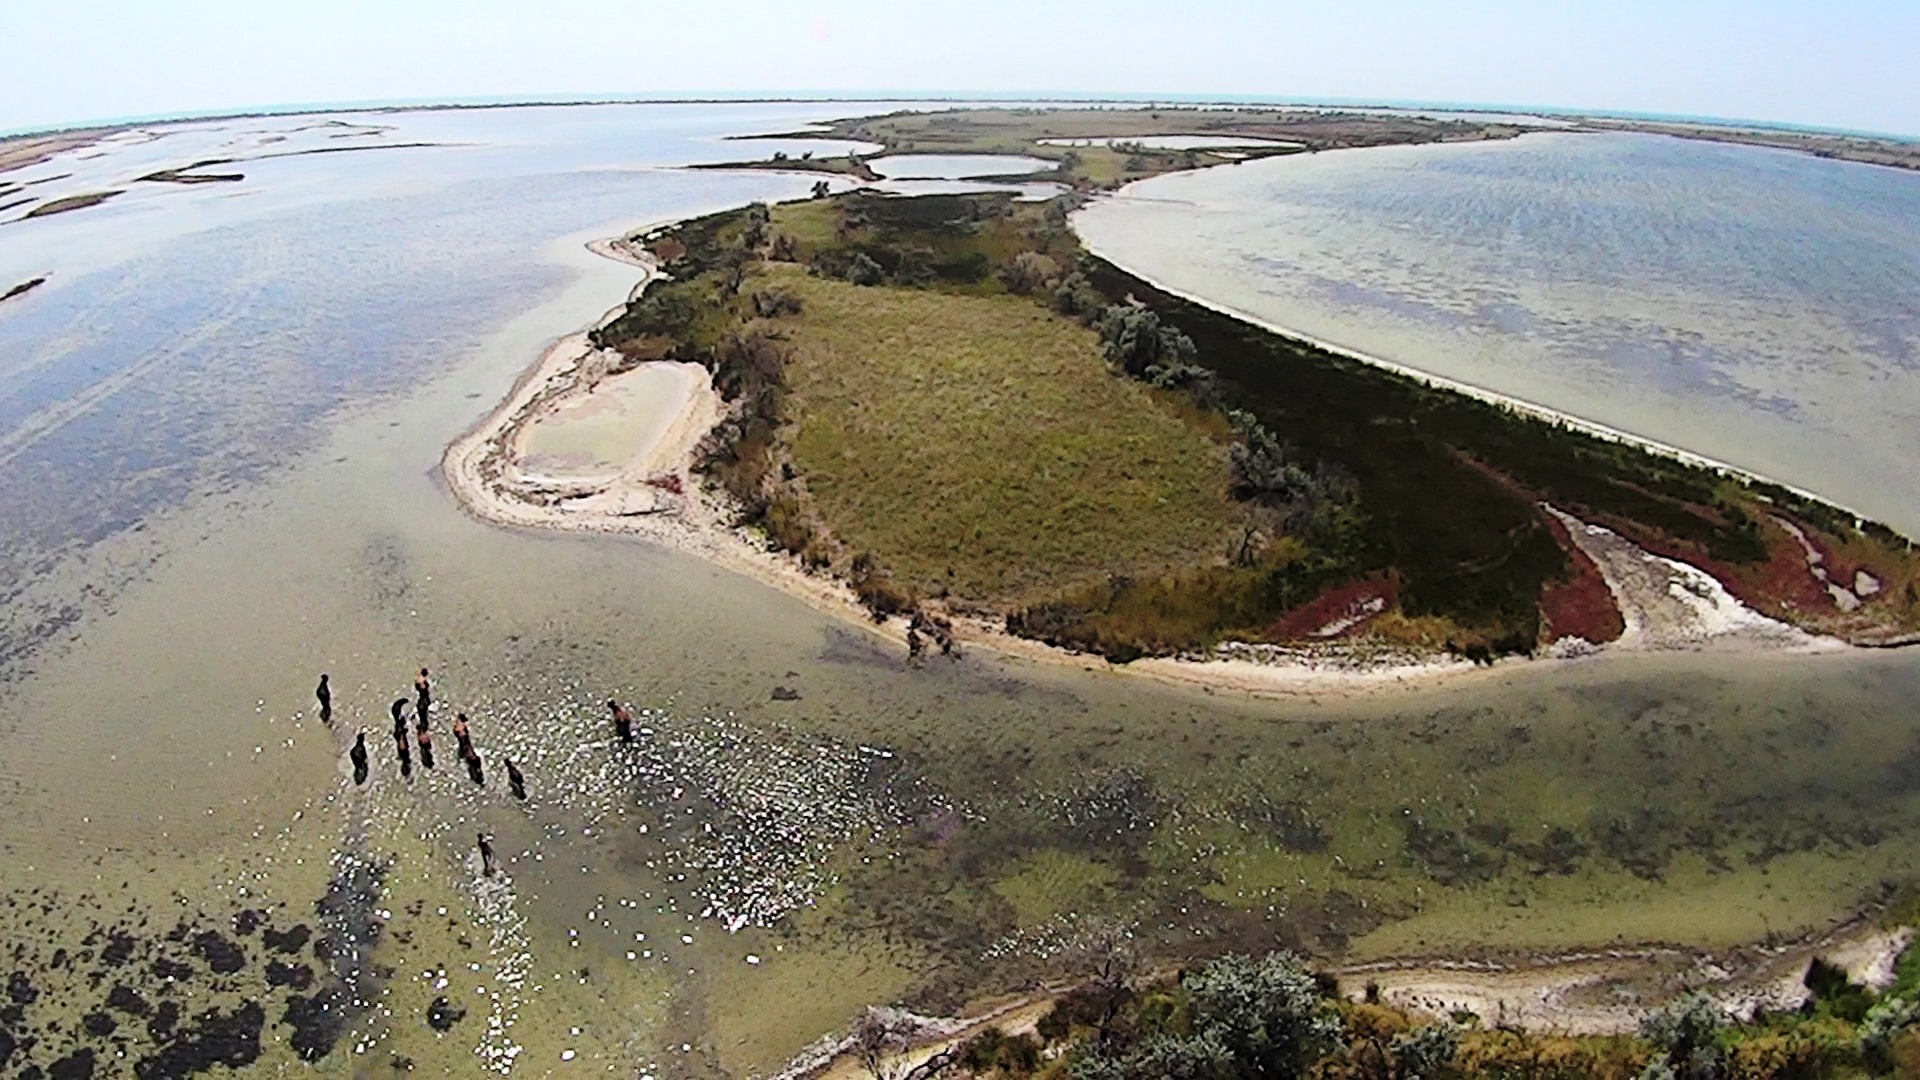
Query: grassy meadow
(978,447)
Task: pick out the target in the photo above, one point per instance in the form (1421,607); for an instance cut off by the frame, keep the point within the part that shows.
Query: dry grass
(979,445)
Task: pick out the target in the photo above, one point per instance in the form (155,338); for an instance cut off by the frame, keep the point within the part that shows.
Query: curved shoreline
(1514,404)
(678,512)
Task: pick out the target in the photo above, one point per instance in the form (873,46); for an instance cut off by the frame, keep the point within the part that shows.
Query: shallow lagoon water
(754,870)
(624,417)
(953,166)
(1756,306)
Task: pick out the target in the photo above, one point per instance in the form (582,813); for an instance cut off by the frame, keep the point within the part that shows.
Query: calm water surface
(1757,306)
(219,430)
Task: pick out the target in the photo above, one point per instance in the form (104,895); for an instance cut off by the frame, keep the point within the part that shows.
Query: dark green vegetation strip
(70,202)
(24,287)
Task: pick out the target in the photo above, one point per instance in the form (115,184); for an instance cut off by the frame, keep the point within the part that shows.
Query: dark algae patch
(23,288)
(127,1000)
(211,1039)
(443,1014)
(70,203)
(223,957)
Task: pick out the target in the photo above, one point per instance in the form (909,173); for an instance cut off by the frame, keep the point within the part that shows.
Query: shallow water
(624,417)
(954,166)
(1756,306)
(1176,142)
(806,824)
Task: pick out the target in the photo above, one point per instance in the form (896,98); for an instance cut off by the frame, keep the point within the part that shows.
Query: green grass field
(979,446)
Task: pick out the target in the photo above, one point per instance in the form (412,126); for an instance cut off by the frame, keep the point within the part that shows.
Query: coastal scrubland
(1273,1015)
(946,402)
(1117,155)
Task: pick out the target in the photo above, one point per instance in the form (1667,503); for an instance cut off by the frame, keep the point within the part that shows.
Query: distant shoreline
(1624,120)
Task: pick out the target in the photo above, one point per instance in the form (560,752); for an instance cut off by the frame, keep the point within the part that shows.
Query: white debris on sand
(1670,605)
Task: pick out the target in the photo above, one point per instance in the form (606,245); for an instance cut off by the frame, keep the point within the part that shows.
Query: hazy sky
(1847,63)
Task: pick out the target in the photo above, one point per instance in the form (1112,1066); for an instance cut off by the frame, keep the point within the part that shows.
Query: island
(1103,148)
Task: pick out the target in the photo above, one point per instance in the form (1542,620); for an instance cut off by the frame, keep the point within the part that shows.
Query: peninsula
(942,414)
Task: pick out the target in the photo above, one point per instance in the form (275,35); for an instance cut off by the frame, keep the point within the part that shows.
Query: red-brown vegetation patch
(1352,603)
(666,248)
(1579,605)
(1783,586)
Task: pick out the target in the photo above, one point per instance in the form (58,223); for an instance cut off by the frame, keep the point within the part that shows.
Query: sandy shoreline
(659,497)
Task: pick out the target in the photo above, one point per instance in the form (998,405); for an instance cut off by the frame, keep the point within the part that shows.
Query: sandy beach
(659,496)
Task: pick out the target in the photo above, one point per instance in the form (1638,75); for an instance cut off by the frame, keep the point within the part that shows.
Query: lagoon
(1755,306)
(219,429)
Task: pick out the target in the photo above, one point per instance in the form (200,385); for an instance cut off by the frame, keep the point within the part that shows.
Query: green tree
(1135,341)
(1687,1033)
(1029,272)
(862,270)
(1268,1012)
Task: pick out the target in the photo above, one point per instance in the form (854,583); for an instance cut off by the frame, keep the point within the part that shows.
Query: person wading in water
(516,782)
(426,747)
(423,696)
(467,753)
(325,694)
(622,721)
(486,854)
(359,756)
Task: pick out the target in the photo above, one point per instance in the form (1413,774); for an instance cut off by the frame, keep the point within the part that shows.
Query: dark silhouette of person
(486,854)
(426,747)
(399,711)
(400,740)
(515,781)
(467,753)
(359,756)
(622,721)
(325,694)
(423,695)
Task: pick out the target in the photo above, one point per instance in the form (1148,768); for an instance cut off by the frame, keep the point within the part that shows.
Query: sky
(1839,63)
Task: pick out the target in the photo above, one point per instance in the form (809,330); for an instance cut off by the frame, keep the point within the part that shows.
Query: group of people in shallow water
(421,737)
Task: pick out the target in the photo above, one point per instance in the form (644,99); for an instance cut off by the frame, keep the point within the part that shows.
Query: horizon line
(749,97)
